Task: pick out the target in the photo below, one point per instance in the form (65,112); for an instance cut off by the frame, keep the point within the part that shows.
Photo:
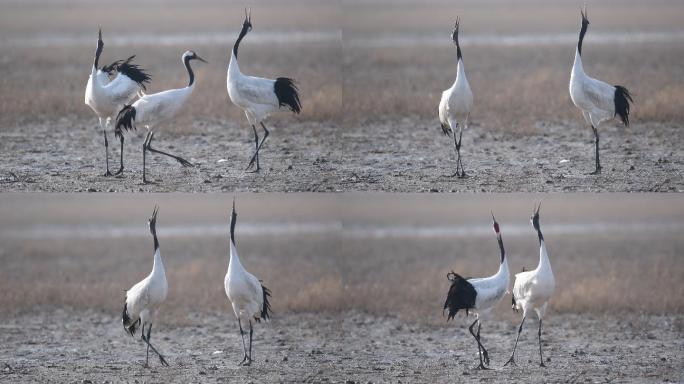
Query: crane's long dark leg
(244,347)
(596,141)
(512,360)
(108,173)
(149,345)
(256,150)
(179,159)
(256,155)
(121,167)
(251,331)
(541,358)
(479,346)
(144,156)
(457,152)
(485,354)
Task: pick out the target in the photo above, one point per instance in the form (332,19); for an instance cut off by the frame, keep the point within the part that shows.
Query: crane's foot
(246,361)
(108,174)
(163,361)
(120,171)
(481,367)
(542,364)
(485,356)
(184,162)
(256,170)
(510,361)
(148,182)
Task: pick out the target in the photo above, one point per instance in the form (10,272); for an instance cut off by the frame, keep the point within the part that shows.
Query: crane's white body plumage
(598,101)
(533,289)
(258,97)
(105,97)
(455,105)
(155,108)
(144,298)
(248,297)
(254,95)
(595,98)
(456,102)
(491,290)
(243,290)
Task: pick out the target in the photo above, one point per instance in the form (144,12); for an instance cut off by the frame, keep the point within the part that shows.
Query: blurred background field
(331,253)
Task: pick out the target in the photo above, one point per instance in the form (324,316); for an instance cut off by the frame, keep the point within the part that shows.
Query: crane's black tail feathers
(109,69)
(461,295)
(125,119)
(266,311)
(134,72)
(288,94)
(129,326)
(622,100)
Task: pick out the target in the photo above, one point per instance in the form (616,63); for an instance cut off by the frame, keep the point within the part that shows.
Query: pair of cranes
(249,298)
(598,101)
(531,291)
(113,99)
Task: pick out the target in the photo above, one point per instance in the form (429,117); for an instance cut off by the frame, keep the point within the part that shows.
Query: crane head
(454,34)
(153,220)
(496,225)
(535,217)
(191,55)
(100,43)
(247,24)
(585,20)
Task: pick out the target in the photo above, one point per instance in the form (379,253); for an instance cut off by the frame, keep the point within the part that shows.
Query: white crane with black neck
(258,97)
(598,101)
(479,295)
(144,299)
(106,97)
(533,289)
(455,104)
(153,109)
(249,298)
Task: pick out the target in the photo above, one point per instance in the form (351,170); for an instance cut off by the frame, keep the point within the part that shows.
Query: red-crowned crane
(533,289)
(107,97)
(455,105)
(479,295)
(597,100)
(249,298)
(144,299)
(156,108)
(256,96)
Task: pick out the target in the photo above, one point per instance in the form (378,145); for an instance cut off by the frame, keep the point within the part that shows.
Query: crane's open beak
(201,59)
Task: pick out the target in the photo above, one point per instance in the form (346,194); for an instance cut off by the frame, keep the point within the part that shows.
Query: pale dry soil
(348,347)
(407,155)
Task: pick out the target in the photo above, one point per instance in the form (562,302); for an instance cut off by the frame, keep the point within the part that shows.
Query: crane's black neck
(539,234)
(153,229)
(583,30)
(233,221)
(458,50)
(98,52)
(191,74)
(501,248)
(243,32)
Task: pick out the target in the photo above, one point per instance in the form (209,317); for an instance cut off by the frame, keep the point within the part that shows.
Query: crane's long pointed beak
(201,59)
